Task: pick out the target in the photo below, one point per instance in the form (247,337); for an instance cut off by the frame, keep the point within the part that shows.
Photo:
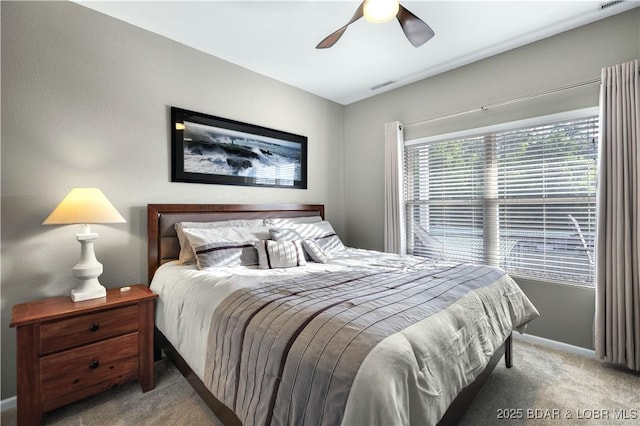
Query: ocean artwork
(217,151)
(208,149)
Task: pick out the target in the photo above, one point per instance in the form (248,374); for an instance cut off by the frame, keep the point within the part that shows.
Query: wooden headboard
(162,240)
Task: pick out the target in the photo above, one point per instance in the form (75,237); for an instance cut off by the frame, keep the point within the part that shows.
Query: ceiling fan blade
(416,30)
(332,38)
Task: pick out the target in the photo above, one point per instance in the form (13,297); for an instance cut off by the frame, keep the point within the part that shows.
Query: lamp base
(78,295)
(87,270)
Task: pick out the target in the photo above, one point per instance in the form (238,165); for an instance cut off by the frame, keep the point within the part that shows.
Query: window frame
(492,200)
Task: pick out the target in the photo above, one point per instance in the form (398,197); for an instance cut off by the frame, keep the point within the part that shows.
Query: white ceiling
(278,38)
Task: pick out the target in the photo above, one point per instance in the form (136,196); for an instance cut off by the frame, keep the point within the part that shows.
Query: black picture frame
(215,150)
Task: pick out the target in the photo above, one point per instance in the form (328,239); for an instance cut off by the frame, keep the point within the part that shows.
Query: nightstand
(68,351)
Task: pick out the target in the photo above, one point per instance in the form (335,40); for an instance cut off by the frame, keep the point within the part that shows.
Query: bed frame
(163,247)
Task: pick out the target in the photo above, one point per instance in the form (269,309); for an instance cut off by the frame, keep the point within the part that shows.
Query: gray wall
(572,57)
(85,102)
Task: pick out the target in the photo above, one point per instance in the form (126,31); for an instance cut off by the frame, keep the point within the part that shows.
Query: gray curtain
(394,219)
(617,326)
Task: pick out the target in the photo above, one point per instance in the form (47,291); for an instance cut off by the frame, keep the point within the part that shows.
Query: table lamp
(85,206)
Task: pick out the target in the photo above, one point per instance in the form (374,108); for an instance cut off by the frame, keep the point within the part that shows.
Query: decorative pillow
(280,254)
(321,232)
(225,246)
(186,252)
(315,252)
(286,221)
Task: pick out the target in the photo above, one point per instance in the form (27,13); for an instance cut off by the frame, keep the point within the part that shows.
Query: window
(518,196)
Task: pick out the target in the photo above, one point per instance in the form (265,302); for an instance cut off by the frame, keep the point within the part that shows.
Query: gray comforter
(288,352)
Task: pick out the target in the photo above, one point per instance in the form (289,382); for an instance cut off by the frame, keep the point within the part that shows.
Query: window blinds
(522,199)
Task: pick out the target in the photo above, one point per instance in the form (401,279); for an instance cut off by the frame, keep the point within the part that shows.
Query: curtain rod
(507,102)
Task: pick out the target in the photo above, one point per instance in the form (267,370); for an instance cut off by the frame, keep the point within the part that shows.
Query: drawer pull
(94,364)
(94,327)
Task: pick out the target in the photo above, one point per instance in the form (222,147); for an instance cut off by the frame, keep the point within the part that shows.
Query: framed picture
(208,149)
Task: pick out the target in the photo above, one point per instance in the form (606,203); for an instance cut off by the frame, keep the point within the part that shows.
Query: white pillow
(320,232)
(286,221)
(225,246)
(314,251)
(280,254)
(186,253)
(284,234)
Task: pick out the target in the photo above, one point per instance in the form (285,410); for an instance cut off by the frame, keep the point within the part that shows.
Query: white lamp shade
(84,206)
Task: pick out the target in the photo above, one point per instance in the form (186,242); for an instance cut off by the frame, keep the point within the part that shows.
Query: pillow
(225,246)
(186,253)
(430,246)
(284,234)
(286,221)
(315,252)
(321,232)
(280,254)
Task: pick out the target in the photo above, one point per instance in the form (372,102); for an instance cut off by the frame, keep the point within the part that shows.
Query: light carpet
(544,387)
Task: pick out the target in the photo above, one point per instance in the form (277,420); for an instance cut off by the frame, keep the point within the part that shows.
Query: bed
(208,319)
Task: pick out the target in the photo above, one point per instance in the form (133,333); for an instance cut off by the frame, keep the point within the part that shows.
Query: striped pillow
(315,252)
(280,254)
(286,221)
(225,246)
(186,252)
(321,232)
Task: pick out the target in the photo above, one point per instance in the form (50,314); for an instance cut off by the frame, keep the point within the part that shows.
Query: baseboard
(553,344)
(8,404)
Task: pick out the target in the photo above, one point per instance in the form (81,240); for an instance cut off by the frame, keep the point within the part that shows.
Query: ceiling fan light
(378,11)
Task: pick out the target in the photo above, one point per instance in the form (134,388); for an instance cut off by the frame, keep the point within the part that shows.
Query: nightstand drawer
(111,361)
(71,332)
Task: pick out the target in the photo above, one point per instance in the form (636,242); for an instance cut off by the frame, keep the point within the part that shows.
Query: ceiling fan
(416,30)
